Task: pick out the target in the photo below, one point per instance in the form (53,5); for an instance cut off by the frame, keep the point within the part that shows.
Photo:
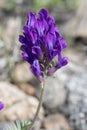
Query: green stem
(39,105)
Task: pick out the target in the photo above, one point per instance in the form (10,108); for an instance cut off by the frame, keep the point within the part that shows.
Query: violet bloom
(1,105)
(41,42)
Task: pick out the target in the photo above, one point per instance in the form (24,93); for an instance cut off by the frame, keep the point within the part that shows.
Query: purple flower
(41,43)
(1,105)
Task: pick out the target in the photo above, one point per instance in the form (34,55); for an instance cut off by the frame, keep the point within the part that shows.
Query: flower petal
(43,13)
(49,40)
(31,19)
(33,35)
(21,39)
(37,51)
(62,41)
(27,54)
(59,60)
(35,69)
(64,61)
(1,105)
(52,70)
(25,57)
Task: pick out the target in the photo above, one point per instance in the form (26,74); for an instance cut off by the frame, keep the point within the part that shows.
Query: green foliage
(18,125)
(69,4)
(48,2)
(10,5)
(37,4)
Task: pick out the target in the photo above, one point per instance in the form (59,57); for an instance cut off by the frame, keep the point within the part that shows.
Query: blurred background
(65,99)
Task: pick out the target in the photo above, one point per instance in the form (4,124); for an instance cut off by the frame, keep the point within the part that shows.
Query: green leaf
(18,125)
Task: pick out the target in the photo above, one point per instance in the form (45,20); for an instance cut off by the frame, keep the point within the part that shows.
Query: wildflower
(1,105)
(41,42)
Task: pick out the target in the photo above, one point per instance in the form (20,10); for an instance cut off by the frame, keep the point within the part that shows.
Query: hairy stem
(39,106)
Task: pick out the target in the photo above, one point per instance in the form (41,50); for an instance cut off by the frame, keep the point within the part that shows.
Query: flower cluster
(1,105)
(41,42)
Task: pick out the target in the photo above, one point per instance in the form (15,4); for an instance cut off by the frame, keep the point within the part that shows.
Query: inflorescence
(41,43)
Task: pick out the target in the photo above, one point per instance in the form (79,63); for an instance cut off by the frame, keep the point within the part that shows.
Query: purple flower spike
(40,43)
(35,69)
(1,105)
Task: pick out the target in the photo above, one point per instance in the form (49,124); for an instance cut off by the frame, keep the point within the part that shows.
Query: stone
(12,23)
(3,63)
(11,30)
(4,125)
(78,30)
(3,3)
(64,74)
(61,16)
(21,73)
(76,57)
(77,64)
(77,101)
(18,105)
(1,48)
(1,44)
(37,125)
(54,91)
(27,88)
(56,122)
(9,125)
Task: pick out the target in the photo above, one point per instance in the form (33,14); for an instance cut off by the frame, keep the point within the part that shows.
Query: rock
(78,31)
(1,43)
(77,63)
(10,38)
(77,101)
(18,105)
(61,15)
(27,88)
(1,48)
(56,122)
(37,125)
(3,3)
(54,91)
(42,129)
(11,31)
(76,57)
(64,74)
(6,125)
(19,1)
(3,63)
(21,73)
